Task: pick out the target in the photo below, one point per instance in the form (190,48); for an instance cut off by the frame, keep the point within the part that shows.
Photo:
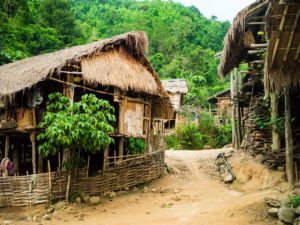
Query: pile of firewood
(257,140)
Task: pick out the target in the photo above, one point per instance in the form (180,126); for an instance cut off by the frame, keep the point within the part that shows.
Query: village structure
(265,36)
(220,107)
(114,69)
(176,89)
(248,133)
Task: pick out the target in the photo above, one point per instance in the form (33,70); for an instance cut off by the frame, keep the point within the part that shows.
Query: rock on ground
(286,214)
(94,200)
(273,212)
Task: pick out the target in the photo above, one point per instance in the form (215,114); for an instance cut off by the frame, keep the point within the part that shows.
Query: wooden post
(40,164)
(105,157)
(49,177)
(16,157)
(274,117)
(290,172)
(88,166)
(121,149)
(33,148)
(7,145)
(233,111)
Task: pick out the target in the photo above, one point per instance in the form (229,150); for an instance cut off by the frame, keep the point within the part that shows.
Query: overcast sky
(223,9)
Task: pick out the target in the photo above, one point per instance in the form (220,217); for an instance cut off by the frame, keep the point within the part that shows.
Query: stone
(286,214)
(222,169)
(145,190)
(60,205)
(153,190)
(285,203)
(110,194)
(37,218)
(78,200)
(135,189)
(50,210)
(228,178)
(273,212)
(176,191)
(162,190)
(94,200)
(297,221)
(7,222)
(273,202)
(46,217)
(220,161)
(85,198)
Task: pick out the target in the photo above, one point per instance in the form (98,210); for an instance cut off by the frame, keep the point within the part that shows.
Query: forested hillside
(182,41)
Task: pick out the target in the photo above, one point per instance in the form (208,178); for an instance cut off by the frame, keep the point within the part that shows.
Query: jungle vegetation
(182,41)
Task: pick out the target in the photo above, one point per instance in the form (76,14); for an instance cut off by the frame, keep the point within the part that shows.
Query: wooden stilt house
(266,36)
(115,69)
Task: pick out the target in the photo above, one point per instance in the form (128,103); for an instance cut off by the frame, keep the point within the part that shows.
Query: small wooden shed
(176,89)
(220,106)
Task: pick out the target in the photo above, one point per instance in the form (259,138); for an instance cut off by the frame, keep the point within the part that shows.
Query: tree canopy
(182,41)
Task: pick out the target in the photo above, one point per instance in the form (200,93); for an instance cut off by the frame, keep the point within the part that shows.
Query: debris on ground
(223,167)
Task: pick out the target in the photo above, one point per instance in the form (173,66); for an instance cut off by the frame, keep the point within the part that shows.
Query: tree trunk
(49,179)
(88,166)
(290,172)
(274,117)
(68,186)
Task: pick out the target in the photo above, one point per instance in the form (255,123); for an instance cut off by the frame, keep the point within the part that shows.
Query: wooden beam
(290,172)
(265,45)
(292,35)
(286,9)
(274,117)
(254,52)
(256,23)
(70,72)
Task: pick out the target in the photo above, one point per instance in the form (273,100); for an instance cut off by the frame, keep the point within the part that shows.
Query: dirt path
(191,197)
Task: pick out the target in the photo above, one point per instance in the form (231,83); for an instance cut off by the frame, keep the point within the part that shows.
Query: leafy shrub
(190,137)
(294,201)
(172,142)
(136,146)
(224,135)
(206,124)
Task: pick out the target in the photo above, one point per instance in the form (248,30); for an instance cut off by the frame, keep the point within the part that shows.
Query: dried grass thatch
(118,68)
(174,86)
(234,47)
(23,74)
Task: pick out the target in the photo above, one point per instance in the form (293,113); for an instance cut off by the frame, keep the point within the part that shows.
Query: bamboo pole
(6,146)
(49,178)
(290,172)
(274,117)
(33,151)
(121,148)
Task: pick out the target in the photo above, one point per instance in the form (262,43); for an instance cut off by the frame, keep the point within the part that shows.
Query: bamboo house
(115,69)
(266,36)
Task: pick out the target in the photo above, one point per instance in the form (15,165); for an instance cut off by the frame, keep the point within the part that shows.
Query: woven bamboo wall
(20,190)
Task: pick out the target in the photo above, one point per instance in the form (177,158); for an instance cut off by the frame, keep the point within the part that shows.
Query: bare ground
(192,195)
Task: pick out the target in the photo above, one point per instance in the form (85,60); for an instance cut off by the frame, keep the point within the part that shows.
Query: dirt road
(192,196)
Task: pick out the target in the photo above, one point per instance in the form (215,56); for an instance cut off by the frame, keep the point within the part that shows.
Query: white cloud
(223,9)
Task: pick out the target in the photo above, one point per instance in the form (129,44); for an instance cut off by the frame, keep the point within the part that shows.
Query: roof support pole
(282,22)
(292,35)
(274,117)
(290,172)
(33,148)
(6,152)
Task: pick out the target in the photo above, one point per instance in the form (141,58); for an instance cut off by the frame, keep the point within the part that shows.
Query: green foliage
(136,146)
(83,125)
(182,41)
(224,135)
(294,201)
(189,137)
(172,142)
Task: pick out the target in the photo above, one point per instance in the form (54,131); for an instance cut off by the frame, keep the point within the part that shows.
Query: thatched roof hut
(175,86)
(132,71)
(240,37)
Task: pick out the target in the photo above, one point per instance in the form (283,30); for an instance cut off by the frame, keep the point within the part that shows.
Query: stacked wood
(257,140)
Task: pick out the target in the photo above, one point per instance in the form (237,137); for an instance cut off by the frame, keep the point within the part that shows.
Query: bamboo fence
(34,189)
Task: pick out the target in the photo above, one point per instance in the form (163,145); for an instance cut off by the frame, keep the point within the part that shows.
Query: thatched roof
(123,64)
(237,38)
(224,93)
(174,86)
(283,58)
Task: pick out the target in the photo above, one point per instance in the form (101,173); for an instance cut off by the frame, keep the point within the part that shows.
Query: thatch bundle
(234,47)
